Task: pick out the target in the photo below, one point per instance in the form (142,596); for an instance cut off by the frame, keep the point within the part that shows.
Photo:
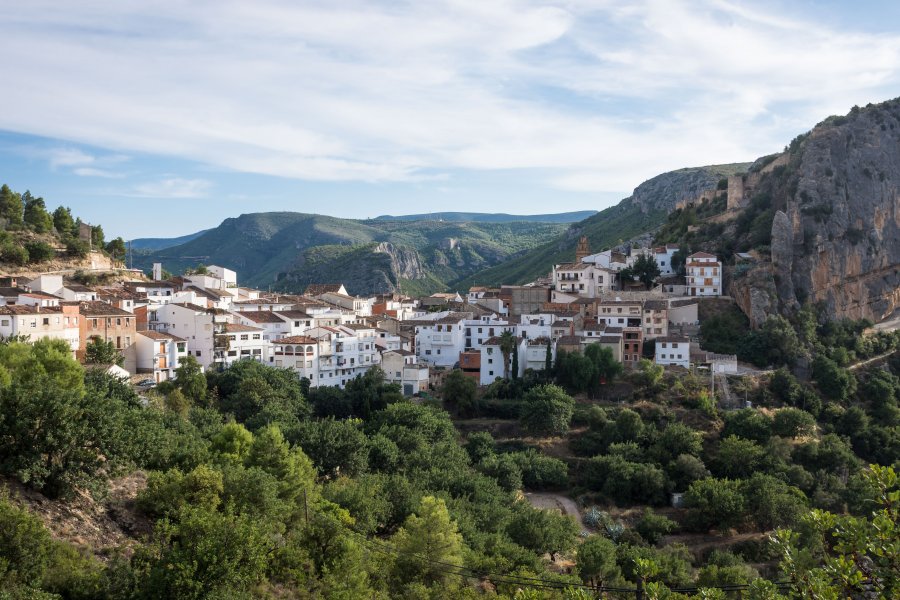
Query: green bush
(39,251)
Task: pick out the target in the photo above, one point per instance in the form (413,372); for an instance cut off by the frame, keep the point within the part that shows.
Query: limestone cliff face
(405,262)
(837,240)
(665,192)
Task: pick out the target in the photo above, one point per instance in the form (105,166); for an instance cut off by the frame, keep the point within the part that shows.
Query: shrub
(39,251)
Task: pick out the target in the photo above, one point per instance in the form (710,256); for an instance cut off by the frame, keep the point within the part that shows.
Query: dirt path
(564,504)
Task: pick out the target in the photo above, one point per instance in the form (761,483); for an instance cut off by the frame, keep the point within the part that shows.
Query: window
(198,353)
(119,322)
(46,321)
(244,337)
(255,336)
(34,322)
(232,353)
(94,323)
(428,352)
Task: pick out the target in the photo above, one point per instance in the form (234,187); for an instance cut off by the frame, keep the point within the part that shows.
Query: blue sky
(163,118)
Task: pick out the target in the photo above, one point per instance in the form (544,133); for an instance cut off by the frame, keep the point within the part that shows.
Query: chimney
(157,271)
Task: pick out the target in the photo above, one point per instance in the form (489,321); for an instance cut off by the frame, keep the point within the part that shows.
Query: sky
(158,119)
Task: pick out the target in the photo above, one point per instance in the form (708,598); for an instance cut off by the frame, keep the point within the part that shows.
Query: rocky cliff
(835,236)
(664,192)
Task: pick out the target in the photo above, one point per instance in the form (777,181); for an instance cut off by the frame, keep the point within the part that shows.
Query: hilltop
(459,217)
(288,251)
(642,212)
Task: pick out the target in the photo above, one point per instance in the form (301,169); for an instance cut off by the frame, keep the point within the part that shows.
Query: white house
(228,277)
(195,324)
(479,330)
(241,342)
(301,353)
(703,273)
(440,337)
(159,354)
(663,256)
(582,279)
(272,324)
(42,322)
(673,350)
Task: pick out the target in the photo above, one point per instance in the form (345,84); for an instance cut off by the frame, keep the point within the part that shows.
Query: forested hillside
(31,236)
(287,251)
(258,487)
(641,213)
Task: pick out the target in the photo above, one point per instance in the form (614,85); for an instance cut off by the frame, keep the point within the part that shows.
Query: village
(329,337)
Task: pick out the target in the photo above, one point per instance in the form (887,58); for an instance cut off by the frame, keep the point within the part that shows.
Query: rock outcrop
(405,261)
(665,192)
(837,241)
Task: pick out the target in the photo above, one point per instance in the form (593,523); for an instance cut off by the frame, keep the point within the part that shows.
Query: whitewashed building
(673,351)
(703,273)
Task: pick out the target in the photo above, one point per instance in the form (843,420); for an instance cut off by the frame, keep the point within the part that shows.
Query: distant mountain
(643,211)
(459,217)
(288,251)
(161,243)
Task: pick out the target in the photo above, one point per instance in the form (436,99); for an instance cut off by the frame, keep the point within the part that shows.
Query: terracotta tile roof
(238,328)
(98,308)
(296,339)
(609,339)
(159,335)
(701,255)
(315,289)
(261,316)
(23,309)
(190,306)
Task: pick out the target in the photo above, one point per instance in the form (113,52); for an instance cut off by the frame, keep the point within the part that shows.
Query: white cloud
(92,172)
(171,188)
(595,95)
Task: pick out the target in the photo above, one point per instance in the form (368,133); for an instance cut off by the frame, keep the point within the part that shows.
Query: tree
(715,503)
(835,382)
(425,544)
(336,447)
(515,365)
(35,214)
(543,531)
(738,458)
(645,269)
(116,248)
(507,347)
(547,410)
(860,555)
(459,393)
(63,222)
(597,561)
(10,206)
(98,352)
(24,546)
(548,360)
(653,527)
(204,554)
(55,435)
(39,251)
(189,378)
(793,422)
(97,239)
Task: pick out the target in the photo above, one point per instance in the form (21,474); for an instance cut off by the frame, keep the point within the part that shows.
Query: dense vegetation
(258,486)
(29,234)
